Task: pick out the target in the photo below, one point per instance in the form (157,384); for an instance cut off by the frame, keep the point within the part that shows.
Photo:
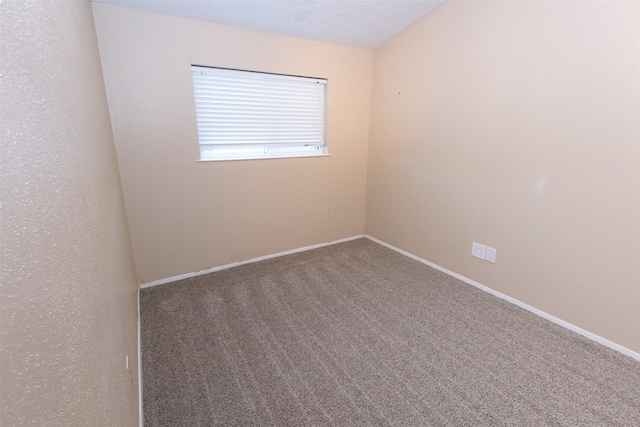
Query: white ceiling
(360,23)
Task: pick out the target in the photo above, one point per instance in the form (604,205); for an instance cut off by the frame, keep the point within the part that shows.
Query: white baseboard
(235,264)
(527,307)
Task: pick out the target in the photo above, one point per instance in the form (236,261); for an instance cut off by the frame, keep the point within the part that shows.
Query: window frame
(259,150)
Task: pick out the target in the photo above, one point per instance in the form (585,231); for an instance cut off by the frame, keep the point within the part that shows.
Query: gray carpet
(356,334)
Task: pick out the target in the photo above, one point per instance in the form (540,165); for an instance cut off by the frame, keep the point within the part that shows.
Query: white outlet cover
(491,254)
(478,250)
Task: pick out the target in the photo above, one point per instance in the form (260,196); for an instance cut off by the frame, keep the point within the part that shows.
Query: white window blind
(244,114)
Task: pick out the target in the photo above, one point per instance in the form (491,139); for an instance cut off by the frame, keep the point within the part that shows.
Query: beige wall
(516,125)
(187,216)
(68,298)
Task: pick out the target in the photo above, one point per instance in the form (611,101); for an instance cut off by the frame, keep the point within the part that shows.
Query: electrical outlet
(478,250)
(484,252)
(491,255)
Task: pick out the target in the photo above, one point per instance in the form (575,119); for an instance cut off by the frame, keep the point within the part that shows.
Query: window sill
(235,159)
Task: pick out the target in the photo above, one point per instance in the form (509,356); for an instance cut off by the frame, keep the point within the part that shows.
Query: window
(246,114)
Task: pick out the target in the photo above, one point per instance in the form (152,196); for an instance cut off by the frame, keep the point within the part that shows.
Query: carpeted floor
(356,334)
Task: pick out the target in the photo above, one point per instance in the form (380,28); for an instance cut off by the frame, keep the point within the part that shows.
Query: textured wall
(517,125)
(187,216)
(68,285)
